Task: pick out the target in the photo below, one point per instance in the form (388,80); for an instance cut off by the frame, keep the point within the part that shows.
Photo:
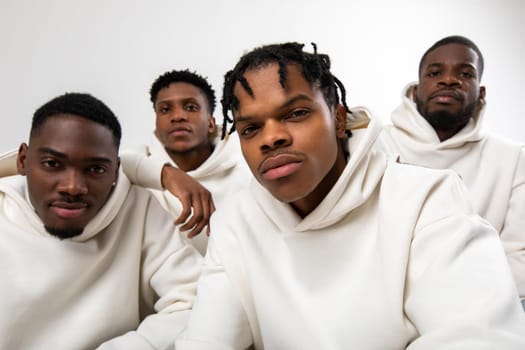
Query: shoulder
(431,194)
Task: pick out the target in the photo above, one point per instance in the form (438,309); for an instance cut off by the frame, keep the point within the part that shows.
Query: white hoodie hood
(15,201)
(222,160)
(417,139)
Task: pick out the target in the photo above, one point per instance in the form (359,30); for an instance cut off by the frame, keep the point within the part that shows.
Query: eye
(432,74)
(298,113)
(466,74)
(191,107)
(97,169)
(248,130)
(163,109)
(50,163)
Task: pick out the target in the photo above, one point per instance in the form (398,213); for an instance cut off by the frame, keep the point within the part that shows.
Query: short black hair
(455,39)
(315,68)
(78,104)
(183,76)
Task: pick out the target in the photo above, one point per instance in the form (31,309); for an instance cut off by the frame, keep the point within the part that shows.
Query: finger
(196,218)
(186,202)
(196,230)
(212,205)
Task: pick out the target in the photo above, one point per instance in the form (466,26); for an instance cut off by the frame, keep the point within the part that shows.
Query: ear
(212,127)
(340,120)
(414,92)
(482,92)
(21,159)
(117,170)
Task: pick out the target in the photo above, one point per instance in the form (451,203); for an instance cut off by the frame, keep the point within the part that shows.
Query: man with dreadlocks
(185,137)
(439,125)
(336,246)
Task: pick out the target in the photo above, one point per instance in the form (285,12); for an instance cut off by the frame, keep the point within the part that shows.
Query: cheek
(250,155)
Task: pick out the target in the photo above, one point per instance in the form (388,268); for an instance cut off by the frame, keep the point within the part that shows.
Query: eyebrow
(462,65)
(183,99)
(57,154)
(286,104)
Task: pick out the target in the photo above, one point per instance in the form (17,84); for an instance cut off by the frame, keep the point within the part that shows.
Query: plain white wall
(115,49)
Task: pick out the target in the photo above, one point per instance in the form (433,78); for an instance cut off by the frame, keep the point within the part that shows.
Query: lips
(445,96)
(68,210)
(279,166)
(180,131)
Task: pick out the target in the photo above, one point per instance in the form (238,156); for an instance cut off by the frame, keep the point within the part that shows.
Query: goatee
(446,121)
(64,233)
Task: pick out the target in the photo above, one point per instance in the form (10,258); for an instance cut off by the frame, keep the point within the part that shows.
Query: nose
(73,183)
(449,79)
(179,115)
(275,135)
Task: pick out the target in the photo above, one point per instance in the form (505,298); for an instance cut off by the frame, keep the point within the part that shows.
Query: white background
(115,49)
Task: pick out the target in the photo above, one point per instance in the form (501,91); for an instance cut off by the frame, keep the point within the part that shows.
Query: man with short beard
(439,125)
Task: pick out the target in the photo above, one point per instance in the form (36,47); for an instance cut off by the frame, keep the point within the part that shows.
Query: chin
(64,233)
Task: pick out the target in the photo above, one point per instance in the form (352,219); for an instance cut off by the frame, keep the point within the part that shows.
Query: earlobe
(21,158)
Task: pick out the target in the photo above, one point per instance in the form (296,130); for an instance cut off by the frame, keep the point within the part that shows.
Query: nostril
(279,142)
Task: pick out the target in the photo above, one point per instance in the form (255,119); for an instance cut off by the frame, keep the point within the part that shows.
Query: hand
(191,195)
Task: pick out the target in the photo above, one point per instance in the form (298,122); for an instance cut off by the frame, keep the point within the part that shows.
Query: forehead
(73,135)
(267,90)
(181,90)
(453,53)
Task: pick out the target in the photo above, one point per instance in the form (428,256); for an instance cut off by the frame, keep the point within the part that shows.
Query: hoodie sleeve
(142,170)
(460,293)
(513,231)
(170,270)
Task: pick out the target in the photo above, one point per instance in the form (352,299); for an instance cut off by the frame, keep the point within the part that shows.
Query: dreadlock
(315,68)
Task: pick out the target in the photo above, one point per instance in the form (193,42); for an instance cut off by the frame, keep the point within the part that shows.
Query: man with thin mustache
(439,125)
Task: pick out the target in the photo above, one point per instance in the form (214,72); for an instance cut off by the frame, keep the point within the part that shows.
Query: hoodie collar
(414,128)
(357,182)
(14,200)
(224,156)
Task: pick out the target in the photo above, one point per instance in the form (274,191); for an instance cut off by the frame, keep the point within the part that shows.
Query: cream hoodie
(127,282)
(223,173)
(392,258)
(493,170)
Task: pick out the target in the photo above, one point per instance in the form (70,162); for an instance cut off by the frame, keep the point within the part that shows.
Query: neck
(191,160)
(306,205)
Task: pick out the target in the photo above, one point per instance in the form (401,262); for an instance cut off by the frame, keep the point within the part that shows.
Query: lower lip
(178,133)
(68,213)
(281,171)
(444,99)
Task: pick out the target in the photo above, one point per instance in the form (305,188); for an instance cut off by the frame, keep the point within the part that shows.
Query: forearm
(142,170)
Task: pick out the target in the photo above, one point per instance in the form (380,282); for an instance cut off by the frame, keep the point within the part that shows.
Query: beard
(64,233)
(447,121)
